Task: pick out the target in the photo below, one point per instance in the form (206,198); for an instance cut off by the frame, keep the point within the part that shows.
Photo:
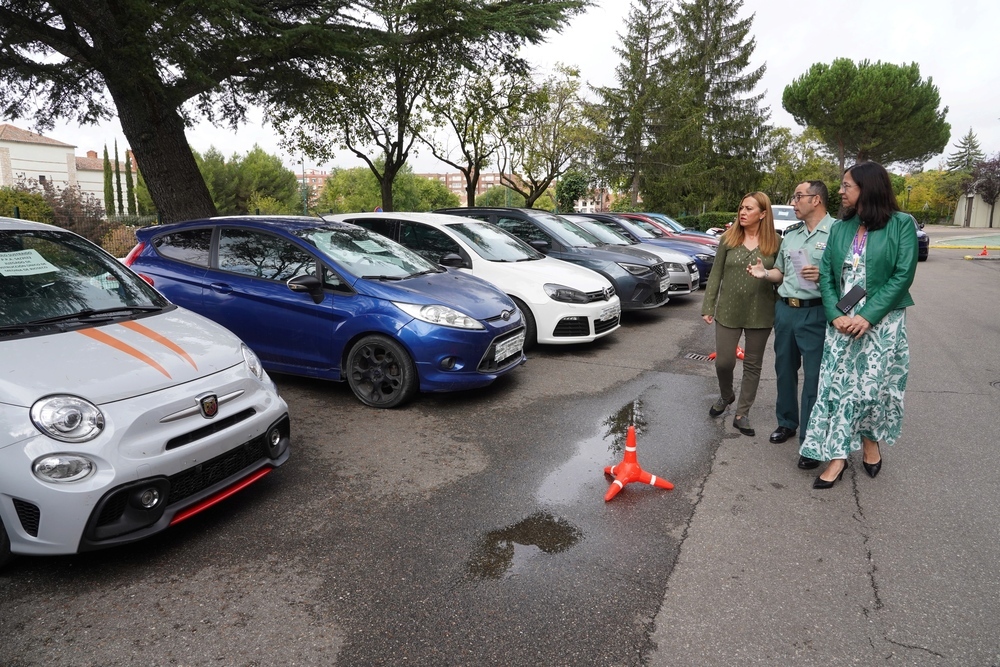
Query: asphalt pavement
(897,570)
(472,529)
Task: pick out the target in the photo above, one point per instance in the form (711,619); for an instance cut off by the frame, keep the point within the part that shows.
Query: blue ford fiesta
(334,301)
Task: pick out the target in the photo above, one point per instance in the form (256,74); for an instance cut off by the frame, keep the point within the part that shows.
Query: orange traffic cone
(984,253)
(739,353)
(629,471)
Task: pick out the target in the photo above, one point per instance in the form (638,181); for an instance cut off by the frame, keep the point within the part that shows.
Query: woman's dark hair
(876,200)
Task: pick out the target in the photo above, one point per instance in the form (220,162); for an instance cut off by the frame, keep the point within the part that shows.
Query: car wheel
(5,555)
(380,372)
(530,330)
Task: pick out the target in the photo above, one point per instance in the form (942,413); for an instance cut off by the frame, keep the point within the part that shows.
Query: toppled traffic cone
(629,471)
(739,353)
(984,253)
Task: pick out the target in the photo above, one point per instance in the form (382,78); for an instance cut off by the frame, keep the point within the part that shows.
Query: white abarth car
(120,413)
(562,303)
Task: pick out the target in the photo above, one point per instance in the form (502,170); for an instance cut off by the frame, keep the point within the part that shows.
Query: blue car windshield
(605,234)
(494,244)
(363,253)
(635,229)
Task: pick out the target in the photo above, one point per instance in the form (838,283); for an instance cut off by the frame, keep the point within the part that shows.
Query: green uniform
(799,327)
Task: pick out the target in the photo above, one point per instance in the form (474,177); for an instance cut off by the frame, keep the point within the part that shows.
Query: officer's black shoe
(781,434)
(807,463)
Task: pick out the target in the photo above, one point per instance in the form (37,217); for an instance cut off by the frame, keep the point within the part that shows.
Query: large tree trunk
(155,132)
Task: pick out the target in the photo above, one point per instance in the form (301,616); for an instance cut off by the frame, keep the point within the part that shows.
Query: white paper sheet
(800,259)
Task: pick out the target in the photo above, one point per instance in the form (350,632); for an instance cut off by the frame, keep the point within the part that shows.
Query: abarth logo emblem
(209,406)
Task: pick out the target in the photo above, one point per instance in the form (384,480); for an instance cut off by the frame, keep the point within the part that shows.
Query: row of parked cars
(125,409)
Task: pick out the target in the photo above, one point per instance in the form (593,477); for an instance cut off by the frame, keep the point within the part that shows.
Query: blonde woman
(741,305)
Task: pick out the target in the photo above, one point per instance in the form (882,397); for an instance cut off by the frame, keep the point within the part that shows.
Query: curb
(964,247)
(987,258)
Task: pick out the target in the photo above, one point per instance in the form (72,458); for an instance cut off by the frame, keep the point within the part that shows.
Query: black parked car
(640,278)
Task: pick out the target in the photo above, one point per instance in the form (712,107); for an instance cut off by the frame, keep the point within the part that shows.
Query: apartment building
(26,155)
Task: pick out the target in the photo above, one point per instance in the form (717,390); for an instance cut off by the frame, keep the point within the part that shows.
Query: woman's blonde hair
(767,238)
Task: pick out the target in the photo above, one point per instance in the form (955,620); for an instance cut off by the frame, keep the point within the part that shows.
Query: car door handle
(221,288)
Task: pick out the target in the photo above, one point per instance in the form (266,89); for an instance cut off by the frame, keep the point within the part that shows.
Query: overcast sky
(954,42)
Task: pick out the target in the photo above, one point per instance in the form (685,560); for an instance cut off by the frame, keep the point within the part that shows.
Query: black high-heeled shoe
(873,468)
(820,483)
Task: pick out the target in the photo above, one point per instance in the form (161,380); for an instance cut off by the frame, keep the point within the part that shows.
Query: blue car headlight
(441,315)
(565,294)
(705,258)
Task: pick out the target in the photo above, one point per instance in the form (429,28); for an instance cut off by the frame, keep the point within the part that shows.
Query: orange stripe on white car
(111,341)
(161,339)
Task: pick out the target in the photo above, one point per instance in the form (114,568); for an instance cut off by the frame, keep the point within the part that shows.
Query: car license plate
(509,347)
(665,285)
(610,313)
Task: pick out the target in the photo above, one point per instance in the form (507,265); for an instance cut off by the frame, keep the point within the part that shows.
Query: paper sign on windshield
(24,263)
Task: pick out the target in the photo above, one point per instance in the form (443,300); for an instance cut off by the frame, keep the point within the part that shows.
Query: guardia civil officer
(799,319)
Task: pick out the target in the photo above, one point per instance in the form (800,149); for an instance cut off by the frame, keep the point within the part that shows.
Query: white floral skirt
(861,385)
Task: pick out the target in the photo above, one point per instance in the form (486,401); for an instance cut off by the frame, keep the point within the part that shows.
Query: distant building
(974,211)
(26,155)
(455,182)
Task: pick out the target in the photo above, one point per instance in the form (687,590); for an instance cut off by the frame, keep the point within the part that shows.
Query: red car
(660,229)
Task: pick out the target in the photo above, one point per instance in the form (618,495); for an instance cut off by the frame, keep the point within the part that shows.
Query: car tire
(380,372)
(530,329)
(5,555)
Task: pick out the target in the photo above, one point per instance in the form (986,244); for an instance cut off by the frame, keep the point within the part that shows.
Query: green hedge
(708,220)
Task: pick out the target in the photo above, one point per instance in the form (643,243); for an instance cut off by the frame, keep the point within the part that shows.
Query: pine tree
(118,181)
(109,188)
(715,107)
(967,155)
(624,113)
(129,183)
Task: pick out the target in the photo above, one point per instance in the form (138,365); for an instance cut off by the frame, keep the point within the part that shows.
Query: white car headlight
(437,314)
(565,294)
(674,267)
(67,418)
(63,468)
(253,363)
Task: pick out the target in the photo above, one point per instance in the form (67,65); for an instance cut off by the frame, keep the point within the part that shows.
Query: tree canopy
(356,190)
(159,65)
(967,154)
(871,111)
(241,179)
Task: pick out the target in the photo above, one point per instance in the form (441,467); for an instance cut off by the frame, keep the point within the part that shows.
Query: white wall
(976,215)
(30,161)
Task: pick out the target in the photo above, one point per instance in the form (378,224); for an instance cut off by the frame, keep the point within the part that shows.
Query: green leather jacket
(890,265)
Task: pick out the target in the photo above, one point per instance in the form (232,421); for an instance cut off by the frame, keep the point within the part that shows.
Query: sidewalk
(969,238)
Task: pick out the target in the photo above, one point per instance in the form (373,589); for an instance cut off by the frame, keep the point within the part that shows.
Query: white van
(121,414)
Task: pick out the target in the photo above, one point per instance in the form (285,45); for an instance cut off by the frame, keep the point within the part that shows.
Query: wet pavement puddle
(585,469)
(503,553)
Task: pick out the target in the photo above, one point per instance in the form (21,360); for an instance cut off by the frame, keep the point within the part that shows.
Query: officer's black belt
(802,303)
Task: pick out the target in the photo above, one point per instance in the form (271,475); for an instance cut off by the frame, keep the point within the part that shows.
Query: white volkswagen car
(562,303)
(121,414)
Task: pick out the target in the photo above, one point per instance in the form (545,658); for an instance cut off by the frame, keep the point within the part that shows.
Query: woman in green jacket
(866,357)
